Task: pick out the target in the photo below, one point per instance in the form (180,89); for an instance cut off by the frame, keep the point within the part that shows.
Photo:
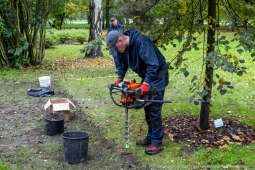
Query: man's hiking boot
(153,149)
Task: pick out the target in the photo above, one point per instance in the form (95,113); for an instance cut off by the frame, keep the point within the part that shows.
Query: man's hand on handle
(143,89)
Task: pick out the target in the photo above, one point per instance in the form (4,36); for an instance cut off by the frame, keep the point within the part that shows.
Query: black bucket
(54,124)
(75,146)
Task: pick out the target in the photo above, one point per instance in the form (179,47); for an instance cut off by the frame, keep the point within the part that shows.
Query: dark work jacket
(145,59)
(119,27)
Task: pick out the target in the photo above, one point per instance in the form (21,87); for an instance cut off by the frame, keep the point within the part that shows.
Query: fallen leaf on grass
(226,138)
(223,146)
(12,148)
(204,141)
(241,162)
(142,129)
(235,137)
(171,136)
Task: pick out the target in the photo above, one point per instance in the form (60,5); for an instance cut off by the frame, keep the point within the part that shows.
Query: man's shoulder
(120,27)
(141,38)
(110,29)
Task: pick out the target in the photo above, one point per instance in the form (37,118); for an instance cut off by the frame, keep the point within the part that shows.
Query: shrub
(81,39)
(50,41)
(54,37)
(64,36)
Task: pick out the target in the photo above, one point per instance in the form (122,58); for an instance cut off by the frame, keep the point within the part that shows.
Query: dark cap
(113,18)
(111,40)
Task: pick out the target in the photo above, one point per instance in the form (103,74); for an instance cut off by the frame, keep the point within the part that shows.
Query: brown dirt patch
(184,129)
(24,144)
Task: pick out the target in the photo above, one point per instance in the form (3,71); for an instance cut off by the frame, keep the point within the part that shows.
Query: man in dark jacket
(116,26)
(137,51)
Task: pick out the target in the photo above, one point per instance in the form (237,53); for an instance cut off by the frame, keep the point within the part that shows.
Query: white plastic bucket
(44,81)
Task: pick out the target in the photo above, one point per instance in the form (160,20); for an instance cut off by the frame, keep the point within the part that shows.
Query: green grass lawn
(88,86)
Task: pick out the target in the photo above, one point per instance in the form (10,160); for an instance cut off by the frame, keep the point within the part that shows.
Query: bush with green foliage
(50,40)
(64,36)
(22,31)
(54,37)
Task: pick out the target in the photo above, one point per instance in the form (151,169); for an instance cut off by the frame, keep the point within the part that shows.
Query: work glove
(143,89)
(118,81)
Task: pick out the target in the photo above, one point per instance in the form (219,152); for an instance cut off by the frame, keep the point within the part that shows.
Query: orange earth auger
(127,94)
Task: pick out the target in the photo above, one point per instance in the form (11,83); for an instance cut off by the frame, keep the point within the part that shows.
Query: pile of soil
(185,129)
(54,116)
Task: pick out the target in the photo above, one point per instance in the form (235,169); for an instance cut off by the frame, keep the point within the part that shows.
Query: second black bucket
(54,124)
(75,146)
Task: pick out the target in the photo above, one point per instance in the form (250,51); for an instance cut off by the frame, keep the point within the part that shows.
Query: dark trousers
(154,120)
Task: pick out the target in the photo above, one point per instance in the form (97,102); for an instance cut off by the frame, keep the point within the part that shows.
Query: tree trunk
(103,23)
(62,18)
(230,27)
(3,56)
(95,27)
(205,106)
(107,13)
(245,24)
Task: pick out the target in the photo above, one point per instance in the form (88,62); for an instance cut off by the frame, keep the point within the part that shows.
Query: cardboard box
(60,105)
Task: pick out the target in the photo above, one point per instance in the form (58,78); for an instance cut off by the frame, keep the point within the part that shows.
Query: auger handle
(155,101)
(114,86)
